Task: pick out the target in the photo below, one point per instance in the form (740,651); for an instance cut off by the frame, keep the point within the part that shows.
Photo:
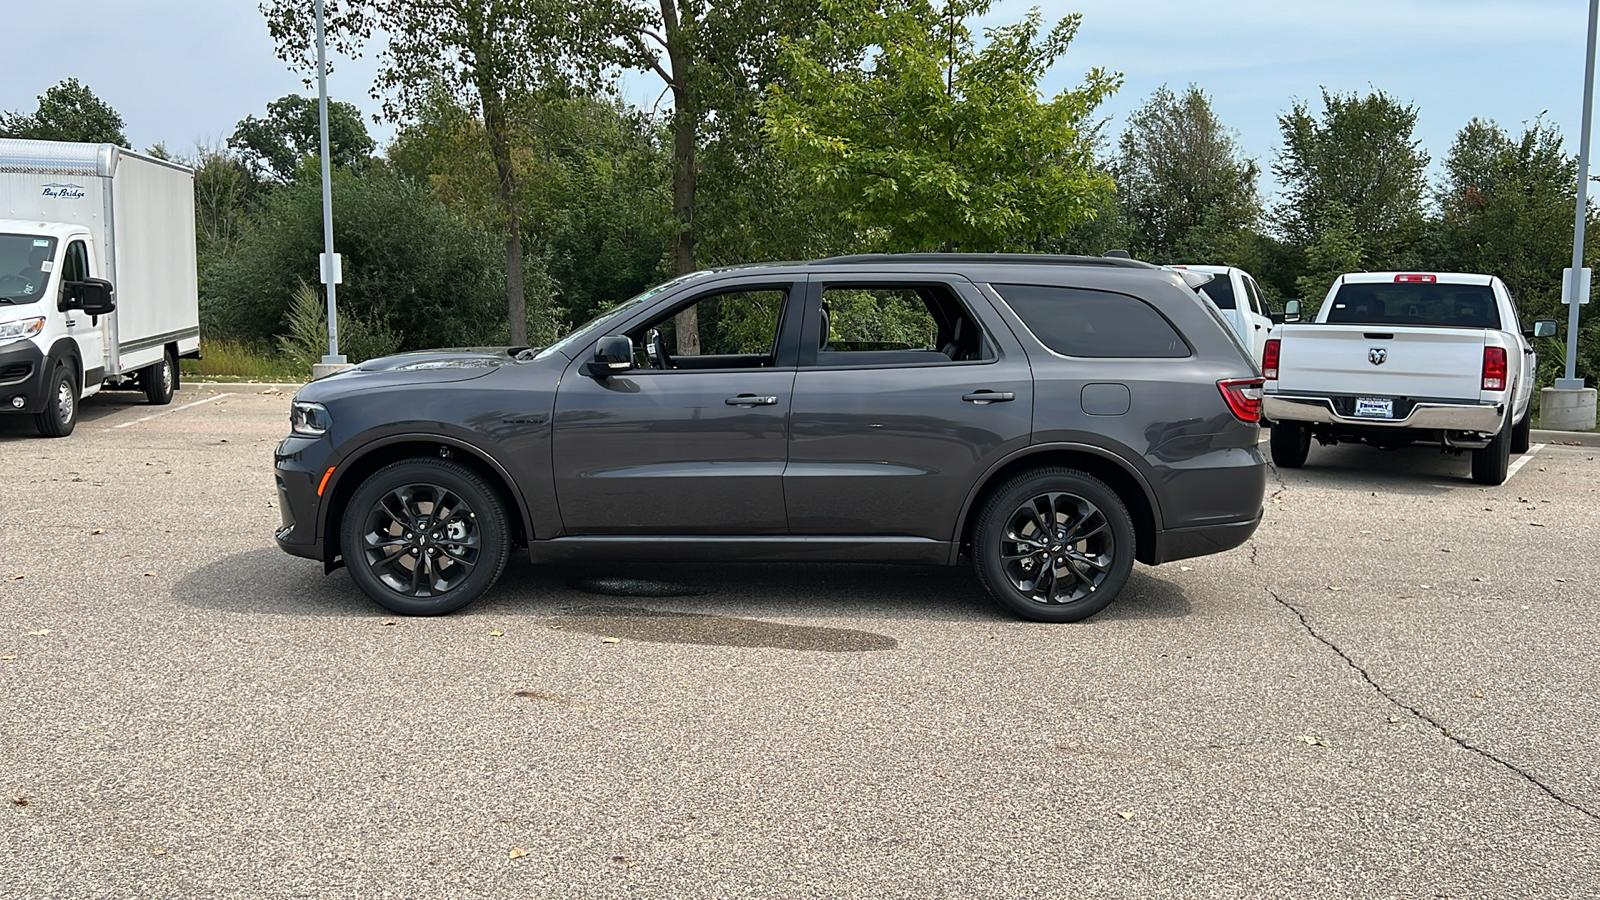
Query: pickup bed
(1394,358)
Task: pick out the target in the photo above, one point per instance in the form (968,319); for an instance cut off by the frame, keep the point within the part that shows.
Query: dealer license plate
(1374,408)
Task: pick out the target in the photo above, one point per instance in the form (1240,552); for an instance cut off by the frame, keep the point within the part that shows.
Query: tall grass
(223,358)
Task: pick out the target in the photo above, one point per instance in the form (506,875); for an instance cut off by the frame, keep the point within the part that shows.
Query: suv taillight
(1269,359)
(1494,368)
(1243,396)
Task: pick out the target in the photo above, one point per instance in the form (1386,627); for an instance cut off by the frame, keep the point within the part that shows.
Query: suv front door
(683,443)
(908,388)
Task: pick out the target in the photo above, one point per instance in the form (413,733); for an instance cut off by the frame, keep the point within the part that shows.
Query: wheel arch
(369,458)
(66,349)
(1130,486)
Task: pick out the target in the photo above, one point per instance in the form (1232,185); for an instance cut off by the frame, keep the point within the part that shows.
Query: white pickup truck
(1399,357)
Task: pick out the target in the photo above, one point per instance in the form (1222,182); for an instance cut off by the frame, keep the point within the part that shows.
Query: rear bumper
(1430,415)
(1184,543)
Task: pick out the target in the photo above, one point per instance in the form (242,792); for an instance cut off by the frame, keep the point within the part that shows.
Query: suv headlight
(20,330)
(309,419)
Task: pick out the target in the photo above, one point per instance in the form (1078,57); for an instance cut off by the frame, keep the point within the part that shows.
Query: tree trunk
(495,126)
(684,137)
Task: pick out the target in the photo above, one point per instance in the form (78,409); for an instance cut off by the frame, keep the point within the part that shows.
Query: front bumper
(24,373)
(299,464)
(1428,415)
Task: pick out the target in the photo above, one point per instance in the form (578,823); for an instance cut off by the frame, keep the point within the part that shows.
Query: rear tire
(1291,444)
(425,537)
(1489,464)
(1054,545)
(1522,434)
(60,413)
(160,380)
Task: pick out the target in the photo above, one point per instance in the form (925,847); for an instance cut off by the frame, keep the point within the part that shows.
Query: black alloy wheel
(1055,545)
(425,537)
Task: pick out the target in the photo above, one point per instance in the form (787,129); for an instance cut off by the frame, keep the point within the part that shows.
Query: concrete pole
(329,270)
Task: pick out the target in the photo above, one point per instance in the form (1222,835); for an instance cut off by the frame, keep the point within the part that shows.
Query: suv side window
(730,330)
(75,267)
(896,324)
(1089,323)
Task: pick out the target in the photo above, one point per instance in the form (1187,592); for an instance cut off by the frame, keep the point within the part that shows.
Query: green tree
(486,52)
(1355,167)
(922,140)
(1184,182)
(291,130)
(67,112)
(412,269)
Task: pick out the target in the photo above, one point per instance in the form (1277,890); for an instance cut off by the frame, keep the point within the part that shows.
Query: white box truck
(97,276)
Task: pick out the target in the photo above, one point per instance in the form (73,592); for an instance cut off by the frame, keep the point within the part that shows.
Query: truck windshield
(1415,303)
(25,261)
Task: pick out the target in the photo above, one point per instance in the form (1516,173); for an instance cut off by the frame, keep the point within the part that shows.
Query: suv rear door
(908,387)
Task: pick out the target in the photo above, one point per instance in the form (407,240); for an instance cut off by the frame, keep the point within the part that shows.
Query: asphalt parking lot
(1389,692)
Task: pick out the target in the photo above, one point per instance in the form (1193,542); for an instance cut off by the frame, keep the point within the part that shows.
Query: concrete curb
(242,387)
(1568,438)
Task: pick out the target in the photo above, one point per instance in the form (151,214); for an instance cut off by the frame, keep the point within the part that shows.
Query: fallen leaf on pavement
(388,622)
(98,531)
(19,801)
(1537,524)
(1477,694)
(40,633)
(611,640)
(18,577)
(517,853)
(1394,720)
(1333,588)
(8,657)
(150,574)
(1311,740)
(497,634)
(1125,815)
(158,853)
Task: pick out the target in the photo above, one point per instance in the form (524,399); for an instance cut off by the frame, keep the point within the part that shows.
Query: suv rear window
(1415,303)
(1079,322)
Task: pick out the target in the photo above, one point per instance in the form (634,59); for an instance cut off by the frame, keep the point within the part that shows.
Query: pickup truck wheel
(424,537)
(1489,463)
(60,413)
(1290,444)
(159,381)
(1522,434)
(1054,545)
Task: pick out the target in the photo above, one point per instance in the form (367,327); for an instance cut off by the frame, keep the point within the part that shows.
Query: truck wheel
(1054,545)
(1291,444)
(1522,434)
(424,537)
(160,380)
(1489,463)
(60,413)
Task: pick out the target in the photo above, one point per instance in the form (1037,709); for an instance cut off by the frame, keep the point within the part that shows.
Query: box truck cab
(97,276)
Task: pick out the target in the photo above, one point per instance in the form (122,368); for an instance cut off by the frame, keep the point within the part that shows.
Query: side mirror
(1291,312)
(1543,328)
(94,296)
(612,354)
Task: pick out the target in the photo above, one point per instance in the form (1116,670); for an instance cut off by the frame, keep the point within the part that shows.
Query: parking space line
(1523,460)
(172,410)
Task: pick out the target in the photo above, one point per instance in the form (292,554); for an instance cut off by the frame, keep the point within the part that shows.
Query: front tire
(1054,545)
(1522,434)
(60,413)
(1489,464)
(425,537)
(160,380)
(1290,444)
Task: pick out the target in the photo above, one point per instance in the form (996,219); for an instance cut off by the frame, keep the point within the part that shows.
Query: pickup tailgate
(1381,361)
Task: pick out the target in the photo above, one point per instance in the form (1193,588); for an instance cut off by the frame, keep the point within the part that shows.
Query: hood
(451,358)
(420,367)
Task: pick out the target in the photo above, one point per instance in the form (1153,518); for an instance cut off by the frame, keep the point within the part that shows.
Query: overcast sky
(182,71)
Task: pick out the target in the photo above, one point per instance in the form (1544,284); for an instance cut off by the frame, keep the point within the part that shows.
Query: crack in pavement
(1414,711)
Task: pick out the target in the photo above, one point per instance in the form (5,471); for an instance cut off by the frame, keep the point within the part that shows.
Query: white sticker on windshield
(47,265)
(41,242)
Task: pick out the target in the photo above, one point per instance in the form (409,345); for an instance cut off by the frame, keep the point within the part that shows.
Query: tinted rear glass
(1220,290)
(1077,322)
(1415,303)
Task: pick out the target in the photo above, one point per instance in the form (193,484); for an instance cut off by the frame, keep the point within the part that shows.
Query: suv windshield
(25,262)
(1415,303)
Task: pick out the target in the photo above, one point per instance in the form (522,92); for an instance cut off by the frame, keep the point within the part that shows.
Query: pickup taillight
(1269,359)
(1494,368)
(1244,397)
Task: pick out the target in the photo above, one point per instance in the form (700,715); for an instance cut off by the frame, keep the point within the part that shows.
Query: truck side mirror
(612,354)
(95,296)
(1543,328)
(1291,312)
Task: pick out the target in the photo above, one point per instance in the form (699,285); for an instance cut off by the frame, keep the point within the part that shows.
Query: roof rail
(1026,259)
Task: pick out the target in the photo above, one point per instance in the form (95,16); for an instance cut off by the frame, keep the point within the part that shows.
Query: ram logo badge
(1377,356)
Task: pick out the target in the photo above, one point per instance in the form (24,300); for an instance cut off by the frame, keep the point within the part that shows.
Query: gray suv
(1052,418)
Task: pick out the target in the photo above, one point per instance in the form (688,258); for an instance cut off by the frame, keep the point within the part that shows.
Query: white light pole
(1575,280)
(330,261)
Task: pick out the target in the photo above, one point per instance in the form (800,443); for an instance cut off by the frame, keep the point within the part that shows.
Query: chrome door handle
(983,397)
(751,400)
